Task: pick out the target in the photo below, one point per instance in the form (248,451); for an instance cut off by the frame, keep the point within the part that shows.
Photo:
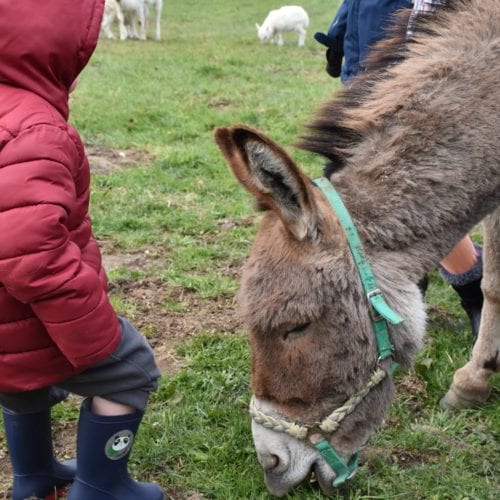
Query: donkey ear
(267,172)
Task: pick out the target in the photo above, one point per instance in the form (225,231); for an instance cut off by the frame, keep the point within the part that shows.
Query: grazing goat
(286,18)
(135,13)
(112,11)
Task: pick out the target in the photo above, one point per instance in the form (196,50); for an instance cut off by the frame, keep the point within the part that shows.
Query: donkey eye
(296,329)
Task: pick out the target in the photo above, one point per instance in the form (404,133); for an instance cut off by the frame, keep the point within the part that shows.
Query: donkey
(413,154)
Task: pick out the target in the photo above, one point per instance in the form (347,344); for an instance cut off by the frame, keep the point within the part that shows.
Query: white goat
(158,5)
(113,11)
(136,17)
(286,18)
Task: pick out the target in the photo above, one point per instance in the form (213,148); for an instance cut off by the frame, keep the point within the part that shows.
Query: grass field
(175,228)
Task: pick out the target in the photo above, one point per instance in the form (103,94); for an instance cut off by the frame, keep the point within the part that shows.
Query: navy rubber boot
(103,448)
(471,300)
(37,474)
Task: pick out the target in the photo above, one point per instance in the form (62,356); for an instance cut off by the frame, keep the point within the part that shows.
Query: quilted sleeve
(40,264)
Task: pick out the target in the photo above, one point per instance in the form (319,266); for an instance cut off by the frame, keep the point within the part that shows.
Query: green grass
(165,99)
(197,436)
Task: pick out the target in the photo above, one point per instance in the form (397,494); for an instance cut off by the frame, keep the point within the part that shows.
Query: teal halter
(381,314)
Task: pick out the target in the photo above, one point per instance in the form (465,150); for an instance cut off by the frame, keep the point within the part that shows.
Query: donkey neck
(417,210)
(417,143)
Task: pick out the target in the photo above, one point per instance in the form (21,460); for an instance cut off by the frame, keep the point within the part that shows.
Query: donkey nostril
(269,462)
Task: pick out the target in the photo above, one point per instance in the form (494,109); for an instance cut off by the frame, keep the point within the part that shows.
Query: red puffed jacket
(55,315)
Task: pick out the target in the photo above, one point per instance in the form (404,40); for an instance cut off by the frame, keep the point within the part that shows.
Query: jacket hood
(44,45)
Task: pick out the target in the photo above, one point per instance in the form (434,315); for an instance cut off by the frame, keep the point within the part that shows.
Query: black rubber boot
(103,448)
(471,299)
(468,287)
(37,474)
(423,284)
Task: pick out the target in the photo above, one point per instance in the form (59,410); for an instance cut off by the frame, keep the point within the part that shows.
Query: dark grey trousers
(127,376)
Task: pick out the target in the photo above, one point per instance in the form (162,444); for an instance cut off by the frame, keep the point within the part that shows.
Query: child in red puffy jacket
(58,330)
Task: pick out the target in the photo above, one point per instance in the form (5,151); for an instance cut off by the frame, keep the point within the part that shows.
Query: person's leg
(462,268)
(107,408)
(117,391)
(26,417)
(103,449)
(462,258)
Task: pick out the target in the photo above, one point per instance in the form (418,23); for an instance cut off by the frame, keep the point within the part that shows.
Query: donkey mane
(339,125)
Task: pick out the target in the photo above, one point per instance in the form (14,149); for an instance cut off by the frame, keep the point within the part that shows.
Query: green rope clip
(342,470)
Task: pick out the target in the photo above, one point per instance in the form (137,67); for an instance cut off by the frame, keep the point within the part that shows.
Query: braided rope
(295,430)
(332,422)
(328,424)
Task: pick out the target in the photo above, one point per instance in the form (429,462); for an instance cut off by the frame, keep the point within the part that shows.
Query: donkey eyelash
(297,329)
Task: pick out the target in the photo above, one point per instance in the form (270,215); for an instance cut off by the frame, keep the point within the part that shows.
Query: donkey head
(313,345)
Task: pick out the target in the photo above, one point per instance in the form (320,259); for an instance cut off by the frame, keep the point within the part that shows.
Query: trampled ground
(175,227)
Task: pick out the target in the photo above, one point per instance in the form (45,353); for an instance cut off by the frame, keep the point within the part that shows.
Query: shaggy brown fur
(415,154)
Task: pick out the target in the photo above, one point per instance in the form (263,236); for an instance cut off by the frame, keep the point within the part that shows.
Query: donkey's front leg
(470,385)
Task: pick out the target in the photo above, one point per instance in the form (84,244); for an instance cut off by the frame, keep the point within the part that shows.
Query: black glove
(333,62)
(333,55)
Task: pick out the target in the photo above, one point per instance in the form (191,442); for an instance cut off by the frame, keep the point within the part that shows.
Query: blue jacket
(358,25)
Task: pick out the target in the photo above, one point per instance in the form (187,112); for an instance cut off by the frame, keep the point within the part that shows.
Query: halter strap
(381,313)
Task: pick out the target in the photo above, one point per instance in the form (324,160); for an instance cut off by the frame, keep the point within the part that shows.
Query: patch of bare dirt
(169,317)
(414,391)
(135,260)
(106,160)
(5,470)
(401,457)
